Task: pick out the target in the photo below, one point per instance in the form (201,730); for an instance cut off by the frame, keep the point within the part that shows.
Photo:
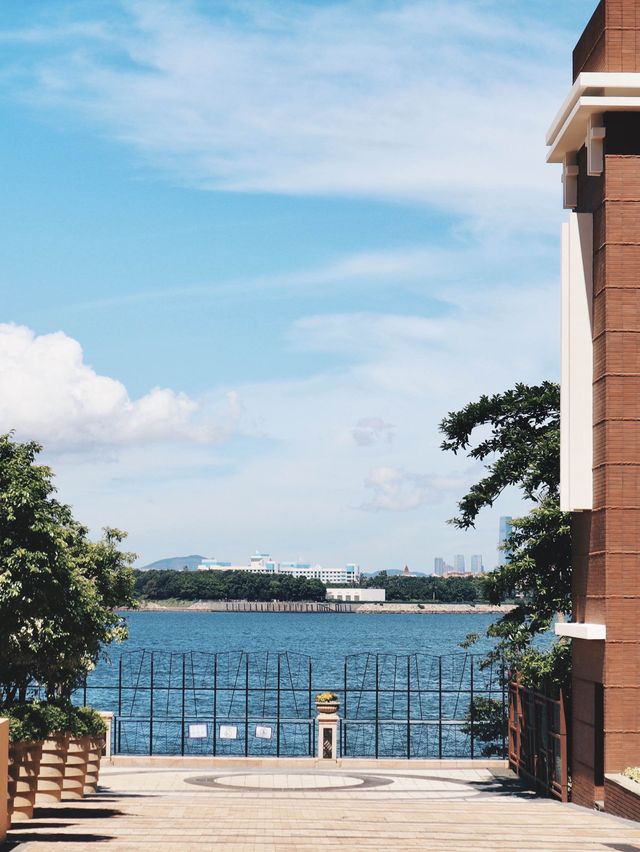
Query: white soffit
(592,93)
(581,630)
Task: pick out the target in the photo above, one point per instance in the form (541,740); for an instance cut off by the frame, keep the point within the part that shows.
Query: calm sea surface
(326,637)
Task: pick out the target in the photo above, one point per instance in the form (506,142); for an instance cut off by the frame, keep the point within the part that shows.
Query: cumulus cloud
(395,490)
(404,101)
(48,392)
(371,430)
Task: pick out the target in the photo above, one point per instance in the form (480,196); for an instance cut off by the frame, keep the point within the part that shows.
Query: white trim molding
(581,630)
(578,120)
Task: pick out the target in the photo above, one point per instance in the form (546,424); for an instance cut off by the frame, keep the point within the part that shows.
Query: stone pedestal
(107,717)
(328,736)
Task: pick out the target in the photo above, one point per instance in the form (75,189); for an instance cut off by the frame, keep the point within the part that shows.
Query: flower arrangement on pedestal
(327,702)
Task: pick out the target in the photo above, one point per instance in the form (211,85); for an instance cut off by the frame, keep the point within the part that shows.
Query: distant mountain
(175,563)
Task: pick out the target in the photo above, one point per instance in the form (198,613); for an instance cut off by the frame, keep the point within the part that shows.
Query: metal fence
(244,704)
(538,742)
(421,706)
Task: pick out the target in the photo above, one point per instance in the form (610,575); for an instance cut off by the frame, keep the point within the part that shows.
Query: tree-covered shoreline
(241,585)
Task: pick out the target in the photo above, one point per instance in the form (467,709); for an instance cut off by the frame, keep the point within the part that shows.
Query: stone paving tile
(151,808)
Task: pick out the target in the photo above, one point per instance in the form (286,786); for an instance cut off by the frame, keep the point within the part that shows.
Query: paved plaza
(302,806)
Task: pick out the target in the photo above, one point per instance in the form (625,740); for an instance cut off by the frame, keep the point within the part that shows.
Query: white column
(576,396)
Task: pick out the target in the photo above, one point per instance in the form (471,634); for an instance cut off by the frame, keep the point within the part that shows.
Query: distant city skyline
(442,567)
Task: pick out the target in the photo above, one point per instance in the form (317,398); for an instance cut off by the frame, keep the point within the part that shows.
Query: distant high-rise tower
(505,531)
(476,564)
(458,563)
(406,572)
(438,566)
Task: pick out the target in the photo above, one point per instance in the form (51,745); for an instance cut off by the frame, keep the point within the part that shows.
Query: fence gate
(229,703)
(538,742)
(421,706)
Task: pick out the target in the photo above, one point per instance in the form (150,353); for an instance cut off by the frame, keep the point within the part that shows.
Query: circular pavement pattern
(290,781)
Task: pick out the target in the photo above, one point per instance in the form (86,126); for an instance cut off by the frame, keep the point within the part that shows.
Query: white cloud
(365,269)
(48,392)
(371,430)
(407,101)
(397,490)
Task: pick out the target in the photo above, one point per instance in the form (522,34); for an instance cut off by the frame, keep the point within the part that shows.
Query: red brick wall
(606,541)
(611,40)
(620,801)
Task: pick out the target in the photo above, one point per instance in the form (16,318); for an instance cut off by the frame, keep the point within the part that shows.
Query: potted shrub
(27,729)
(327,702)
(54,756)
(96,730)
(75,769)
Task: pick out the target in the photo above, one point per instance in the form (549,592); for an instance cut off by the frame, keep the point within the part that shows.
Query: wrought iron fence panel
(227,703)
(421,706)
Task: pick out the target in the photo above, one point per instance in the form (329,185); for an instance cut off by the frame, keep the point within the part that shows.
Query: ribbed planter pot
(51,776)
(24,766)
(327,707)
(96,747)
(75,769)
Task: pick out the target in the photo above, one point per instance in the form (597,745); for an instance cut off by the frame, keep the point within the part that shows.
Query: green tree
(517,435)
(58,590)
(519,438)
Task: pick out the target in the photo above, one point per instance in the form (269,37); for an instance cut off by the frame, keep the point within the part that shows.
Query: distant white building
(350,595)
(262,563)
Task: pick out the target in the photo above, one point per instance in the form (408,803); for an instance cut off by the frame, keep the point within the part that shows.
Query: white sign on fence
(198,731)
(228,732)
(264,732)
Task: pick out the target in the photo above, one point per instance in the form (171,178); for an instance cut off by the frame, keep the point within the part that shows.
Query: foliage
(439,589)
(547,671)
(538,570)
(517,435)
(241,585)
(58,590)
(89,721)
(487,715)
(35,720)
(225,586)
(28,721)
(520,436)
(632,772)
(324,697)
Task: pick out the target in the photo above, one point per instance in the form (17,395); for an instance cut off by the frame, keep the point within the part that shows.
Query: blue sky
(253,252)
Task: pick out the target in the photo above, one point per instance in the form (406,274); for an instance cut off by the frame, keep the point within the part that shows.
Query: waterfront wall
(324,607)
(248,606)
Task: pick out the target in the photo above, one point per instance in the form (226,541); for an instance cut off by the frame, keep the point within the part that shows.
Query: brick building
(596,136)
